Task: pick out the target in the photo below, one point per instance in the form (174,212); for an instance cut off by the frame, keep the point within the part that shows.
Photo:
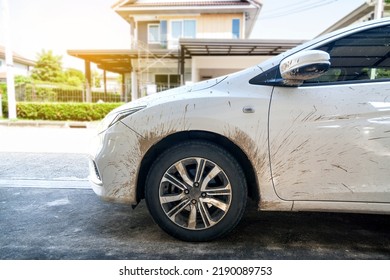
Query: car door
(329,139)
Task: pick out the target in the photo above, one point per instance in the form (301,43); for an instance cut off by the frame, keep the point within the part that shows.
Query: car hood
(171,94)
(187,90)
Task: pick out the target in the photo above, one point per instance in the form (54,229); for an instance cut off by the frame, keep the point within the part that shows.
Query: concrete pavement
(60,224)
(46,136)
(48,211)
(42,123)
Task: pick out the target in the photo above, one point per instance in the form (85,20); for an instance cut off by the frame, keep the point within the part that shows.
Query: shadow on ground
(75,224)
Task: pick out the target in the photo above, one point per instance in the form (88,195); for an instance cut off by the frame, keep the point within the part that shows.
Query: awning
(119,61)
(234,47)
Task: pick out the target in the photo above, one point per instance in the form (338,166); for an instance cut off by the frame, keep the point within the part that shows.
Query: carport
(122,61)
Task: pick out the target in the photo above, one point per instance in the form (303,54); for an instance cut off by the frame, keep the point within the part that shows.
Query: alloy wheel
(195,193)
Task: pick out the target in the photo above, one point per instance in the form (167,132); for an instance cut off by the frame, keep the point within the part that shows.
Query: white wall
(19,69)
(215,66)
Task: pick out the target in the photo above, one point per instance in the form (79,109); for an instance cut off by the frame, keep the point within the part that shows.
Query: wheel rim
(195,193)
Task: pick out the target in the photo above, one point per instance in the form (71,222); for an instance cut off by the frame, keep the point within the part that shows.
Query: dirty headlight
(115,117)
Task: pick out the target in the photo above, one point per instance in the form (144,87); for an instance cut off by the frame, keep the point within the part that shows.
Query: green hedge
(62,111)
(4,104)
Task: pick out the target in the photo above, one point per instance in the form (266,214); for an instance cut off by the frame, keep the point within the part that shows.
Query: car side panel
(214,111)
(331,143)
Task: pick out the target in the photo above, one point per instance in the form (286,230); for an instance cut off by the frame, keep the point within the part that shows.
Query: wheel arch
(222,141)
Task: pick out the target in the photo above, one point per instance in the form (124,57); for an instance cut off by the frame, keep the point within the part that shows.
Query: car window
(363,56)
(269,77)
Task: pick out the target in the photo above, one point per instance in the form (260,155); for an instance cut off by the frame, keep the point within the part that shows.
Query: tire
(196,191)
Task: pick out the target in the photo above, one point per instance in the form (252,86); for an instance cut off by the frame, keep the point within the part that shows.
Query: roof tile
(188,4)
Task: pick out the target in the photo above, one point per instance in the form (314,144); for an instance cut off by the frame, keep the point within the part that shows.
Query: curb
(59,124)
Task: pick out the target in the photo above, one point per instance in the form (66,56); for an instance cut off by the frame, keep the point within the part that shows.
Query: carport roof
(234,47)
(119,61)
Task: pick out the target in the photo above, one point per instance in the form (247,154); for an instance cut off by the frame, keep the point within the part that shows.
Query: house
(22,65)
(176,42)
(365,12)
(159,25)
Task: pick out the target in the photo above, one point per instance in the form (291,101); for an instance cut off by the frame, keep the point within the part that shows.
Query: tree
(20,79)
(96,79)
(48,67)
(74,77)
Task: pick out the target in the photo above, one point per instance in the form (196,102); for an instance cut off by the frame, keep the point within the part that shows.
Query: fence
(65,93)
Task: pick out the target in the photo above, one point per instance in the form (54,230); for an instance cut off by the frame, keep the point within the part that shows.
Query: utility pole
(8,61)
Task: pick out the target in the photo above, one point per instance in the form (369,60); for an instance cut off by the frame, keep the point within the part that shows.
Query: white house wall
(196,69)
(206,67)
(19,69)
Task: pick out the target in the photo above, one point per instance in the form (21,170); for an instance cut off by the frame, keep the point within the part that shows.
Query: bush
(3,89)
(4,103)
(4,106)
(64,111)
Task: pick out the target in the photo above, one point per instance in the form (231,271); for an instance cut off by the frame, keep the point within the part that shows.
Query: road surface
(48,211)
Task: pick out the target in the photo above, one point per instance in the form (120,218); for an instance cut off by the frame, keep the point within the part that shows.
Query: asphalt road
(48,211)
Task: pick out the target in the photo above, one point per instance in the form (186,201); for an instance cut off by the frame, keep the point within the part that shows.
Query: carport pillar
(105,84)
(124,98)
(194,70)
(182,65)
(88,81)
(134,85)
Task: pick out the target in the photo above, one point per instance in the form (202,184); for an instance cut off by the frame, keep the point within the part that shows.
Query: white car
(308,130)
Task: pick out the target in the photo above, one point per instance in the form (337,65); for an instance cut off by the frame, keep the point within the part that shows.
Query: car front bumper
(114,160)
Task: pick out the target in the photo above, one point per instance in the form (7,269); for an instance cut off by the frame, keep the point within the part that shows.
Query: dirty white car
(308,130)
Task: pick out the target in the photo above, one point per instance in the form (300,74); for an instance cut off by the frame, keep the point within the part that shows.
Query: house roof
(17,58)
(186,3)
(131,8)
(365,9)
(135,3)
(120,61)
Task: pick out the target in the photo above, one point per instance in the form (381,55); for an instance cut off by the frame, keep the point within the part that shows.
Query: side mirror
(303,66)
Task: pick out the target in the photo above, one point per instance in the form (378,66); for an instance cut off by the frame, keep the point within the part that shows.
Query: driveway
(48,211)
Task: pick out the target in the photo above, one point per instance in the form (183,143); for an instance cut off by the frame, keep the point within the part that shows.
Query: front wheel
(196,191)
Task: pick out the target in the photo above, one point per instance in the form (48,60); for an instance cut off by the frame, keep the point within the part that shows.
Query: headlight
(115,117)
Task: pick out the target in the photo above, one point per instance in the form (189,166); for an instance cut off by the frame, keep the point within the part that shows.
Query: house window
(189,30)
(236,28)
(182,29)
(164,33)
(174,81)
(165,81)
(153,33)
(177,29)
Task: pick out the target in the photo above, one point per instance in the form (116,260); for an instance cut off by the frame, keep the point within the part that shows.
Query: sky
(60,25)
(300,19)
